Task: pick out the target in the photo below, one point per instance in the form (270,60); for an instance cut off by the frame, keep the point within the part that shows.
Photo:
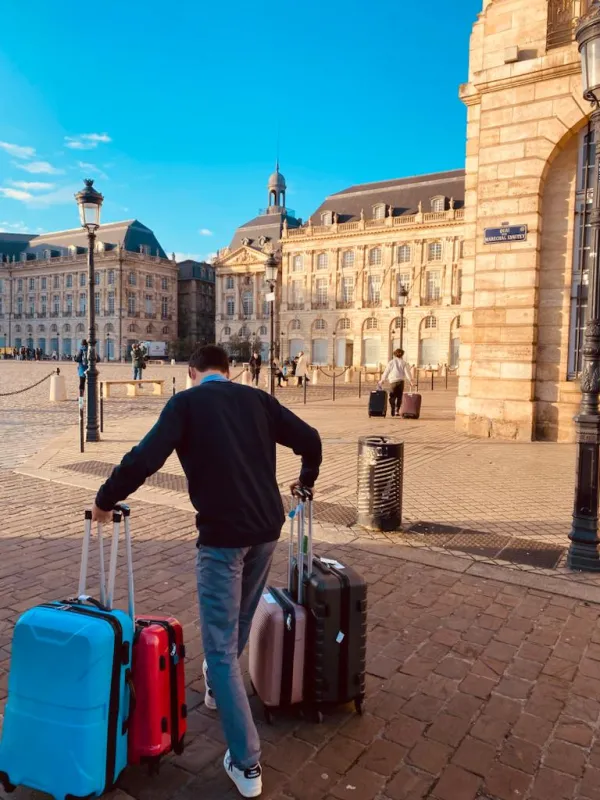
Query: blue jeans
(230,584)
(137,373)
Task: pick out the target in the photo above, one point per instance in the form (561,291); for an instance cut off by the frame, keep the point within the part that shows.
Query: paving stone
(521,755)
(457,784)
(506,783)
(408,784)
(430,756)
(565,757)
(475,756)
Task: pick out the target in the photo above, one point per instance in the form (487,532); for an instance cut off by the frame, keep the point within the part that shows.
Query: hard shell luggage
(69,692)
(378,401)
(278,639)
(159,721)
(335,597)
(411,405)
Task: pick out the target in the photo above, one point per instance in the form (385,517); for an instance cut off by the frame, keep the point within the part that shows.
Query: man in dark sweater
(225,436)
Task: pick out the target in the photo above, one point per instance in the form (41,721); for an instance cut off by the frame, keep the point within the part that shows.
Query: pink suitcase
(411,405)
(278,636)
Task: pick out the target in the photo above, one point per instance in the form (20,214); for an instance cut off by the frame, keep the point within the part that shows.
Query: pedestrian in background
(255,365)
(82,365)
(397,372)
(301,369)
(138,358)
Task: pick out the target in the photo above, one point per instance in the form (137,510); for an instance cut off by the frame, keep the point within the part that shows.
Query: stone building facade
(44,290)
(242,307)
(196,302)
(342,272)
(528,175)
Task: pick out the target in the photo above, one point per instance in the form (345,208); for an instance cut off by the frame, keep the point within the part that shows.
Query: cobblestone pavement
(483,676)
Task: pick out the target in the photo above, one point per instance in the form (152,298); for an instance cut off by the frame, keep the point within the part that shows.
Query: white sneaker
(247,781)
(209,698)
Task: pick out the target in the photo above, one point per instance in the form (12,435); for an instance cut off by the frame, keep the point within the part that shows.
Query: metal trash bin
(380,482)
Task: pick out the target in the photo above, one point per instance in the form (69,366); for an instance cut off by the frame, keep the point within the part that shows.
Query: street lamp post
(90,203)
(583,550)
(402,300)
(58,345)
(108,345)
(271,279)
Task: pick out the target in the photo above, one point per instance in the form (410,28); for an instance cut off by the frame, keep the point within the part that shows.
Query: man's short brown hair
(211,356)
(398,353)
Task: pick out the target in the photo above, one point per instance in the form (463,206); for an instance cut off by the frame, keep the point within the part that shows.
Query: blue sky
(176,109)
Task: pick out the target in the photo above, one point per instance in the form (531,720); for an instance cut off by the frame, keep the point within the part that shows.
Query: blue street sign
(508,233)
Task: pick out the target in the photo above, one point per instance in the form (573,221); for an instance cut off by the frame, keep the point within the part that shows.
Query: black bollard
(432,380)
(333,392)
(101,407)
(81,427)
(359,382)
(173,385)
(305,385)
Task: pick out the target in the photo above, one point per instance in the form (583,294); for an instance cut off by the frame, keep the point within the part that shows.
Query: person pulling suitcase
(397,372)
(219,429)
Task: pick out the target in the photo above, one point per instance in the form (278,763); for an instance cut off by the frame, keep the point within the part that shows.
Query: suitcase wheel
(179,747)
(317,716)
(6,784)
(268,716)
(358,705)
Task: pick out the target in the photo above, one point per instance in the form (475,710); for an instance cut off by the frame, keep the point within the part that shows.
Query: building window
(43,283)
(69,304)
(265,308)
(229,282)
(321,291)
(111,303)
(165,330)
(164,307)
(149,282)
(344,324)
(262,331)
(97,278)
(82,278)
(320,325)
(131,279)
(20,285)
(56,305)
(69,283)
(297,292)
(435,251)
(372,324)
(97,302)
(348,259)
(403,254)
(247,304)
(295,325)
(375,257)
(227,331)
(165,284)
(244,332)
(230,306)
(398,323)
(374,289)
(19,305)
(430,322)
(327,218)
(145,250)
(131,305)
(31,284)
(561,19)
(31,306)
(111,277)
(44,304)
(56,282)
(297,263)
(379,211)
(433,286)
(82,303)
(348,289)
(403,281)
(438,204)
(322,261)
(148,304)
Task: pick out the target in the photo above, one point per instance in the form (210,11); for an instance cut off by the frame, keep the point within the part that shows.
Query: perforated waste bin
(380,482)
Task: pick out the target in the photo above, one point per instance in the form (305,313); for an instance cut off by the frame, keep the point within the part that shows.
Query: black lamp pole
(402,300)
(583,550)
(271,277)
(90,202)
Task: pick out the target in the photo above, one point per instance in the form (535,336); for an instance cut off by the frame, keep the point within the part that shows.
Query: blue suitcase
(65,721)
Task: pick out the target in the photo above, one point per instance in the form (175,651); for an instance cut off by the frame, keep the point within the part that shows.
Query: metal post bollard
(417,380)
(101,407)
(81,427)
(305,385)
(359,382)
(173,385)
(446,377)
(333,391)
(432,380)
(380,482)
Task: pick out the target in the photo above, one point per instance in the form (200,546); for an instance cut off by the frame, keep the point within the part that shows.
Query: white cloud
(17,151)
(188,257)
(12,227)
(62,196)
(209,257)
(92,169)
(32,185)
(87,141)
(205,232)
(39,168)
(15,194)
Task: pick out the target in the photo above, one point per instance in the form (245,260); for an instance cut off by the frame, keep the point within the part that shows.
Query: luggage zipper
(289,645)
(173,660)
(114,702)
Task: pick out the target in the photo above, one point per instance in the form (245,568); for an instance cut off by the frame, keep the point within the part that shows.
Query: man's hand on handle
(297,488)
(98,515)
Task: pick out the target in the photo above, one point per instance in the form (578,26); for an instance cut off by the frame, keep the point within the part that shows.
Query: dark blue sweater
(225,436)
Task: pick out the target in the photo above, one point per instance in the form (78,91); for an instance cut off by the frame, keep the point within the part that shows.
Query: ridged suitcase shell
(411,405)
(267,650)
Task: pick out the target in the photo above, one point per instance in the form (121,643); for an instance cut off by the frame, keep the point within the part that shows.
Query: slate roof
(403,194)
(192,270)
(130,234)
(268,225)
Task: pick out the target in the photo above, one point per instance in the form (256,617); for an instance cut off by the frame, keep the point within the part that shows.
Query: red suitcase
(411,405)
(159,721)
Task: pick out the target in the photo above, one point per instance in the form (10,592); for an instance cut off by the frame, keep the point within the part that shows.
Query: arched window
(372,324)
(132,328)
(67,328)
(430,322)
(375,257)
(149,329)
(403,254)
(244,331)
(42,329)
(399,322)
(320,325)
(226,331)
(438,204)
(435,251)
(53,328)
(344,324)
(327,218)
(348,258)
(165,330)
(297,263)
(295,325)
(322,261)
(262,331)
(17,329)
(81,328)
(379,211)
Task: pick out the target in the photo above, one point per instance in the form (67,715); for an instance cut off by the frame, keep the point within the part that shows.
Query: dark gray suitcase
(378,401)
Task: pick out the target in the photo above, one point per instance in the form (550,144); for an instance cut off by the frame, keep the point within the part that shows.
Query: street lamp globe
(271,269)
(90,203)
(587,35)
(402,296)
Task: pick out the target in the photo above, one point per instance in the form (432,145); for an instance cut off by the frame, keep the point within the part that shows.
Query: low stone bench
(133,386)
